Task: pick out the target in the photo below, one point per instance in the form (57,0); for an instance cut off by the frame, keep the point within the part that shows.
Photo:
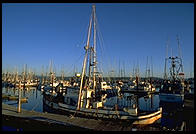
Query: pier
(61,120)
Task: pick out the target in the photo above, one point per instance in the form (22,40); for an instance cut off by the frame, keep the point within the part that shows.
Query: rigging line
(103,47)
(101,42)
(68,72)
(84,34)
(84,43)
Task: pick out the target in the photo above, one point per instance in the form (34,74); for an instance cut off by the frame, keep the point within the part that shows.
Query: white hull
(107,113)
(171,97)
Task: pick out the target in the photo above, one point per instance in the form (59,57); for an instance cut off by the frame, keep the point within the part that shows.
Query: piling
(19,98)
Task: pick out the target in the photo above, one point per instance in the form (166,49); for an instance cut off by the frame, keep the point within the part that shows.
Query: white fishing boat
(88,100)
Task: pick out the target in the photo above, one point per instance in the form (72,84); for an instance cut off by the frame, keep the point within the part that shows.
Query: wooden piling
(19,98)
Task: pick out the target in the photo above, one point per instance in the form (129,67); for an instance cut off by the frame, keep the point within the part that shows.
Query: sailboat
(88,100)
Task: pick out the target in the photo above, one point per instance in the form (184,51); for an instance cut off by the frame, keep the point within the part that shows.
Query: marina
(91,99)
(36,106)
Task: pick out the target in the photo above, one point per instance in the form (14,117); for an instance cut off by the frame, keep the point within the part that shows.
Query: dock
(63,120)
(11,97)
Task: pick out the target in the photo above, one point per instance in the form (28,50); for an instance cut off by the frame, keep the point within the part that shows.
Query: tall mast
(90,57)
(84,65)
(94,49)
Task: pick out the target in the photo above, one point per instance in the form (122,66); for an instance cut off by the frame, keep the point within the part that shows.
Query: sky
(127,33)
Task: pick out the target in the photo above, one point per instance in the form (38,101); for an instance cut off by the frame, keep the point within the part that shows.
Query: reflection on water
(147,103)
(34,98)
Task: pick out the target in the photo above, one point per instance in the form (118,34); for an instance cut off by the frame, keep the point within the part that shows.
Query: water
(35,98)
(171,118)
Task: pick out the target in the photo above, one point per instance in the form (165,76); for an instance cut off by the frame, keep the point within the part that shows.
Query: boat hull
(102,113)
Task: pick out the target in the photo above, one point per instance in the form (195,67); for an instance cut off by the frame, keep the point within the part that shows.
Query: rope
(102,47)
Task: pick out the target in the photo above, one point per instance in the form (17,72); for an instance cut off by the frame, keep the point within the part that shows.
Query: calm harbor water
(171,118)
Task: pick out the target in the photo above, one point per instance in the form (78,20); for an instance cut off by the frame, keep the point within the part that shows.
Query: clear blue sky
(34,34)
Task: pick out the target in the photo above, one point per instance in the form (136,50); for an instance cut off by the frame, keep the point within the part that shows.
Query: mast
(147,69)
(123,70)
(134,70)
(191,70)
(94,49)
(51,71)
(151,67)
(43,82)
(166,57)
(179,53)
(89,73)
(24,77)
(62,75)
(84,65)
